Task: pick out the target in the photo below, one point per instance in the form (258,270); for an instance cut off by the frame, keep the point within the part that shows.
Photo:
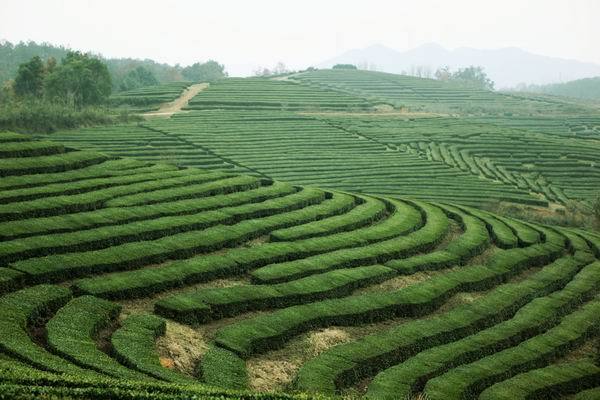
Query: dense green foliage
(46,97)
(30,78)
(79,80)
(344,66)
(31,116)
(209,71)
(473,76)
(137,78)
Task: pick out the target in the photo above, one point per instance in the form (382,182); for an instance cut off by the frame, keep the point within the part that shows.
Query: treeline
(125,73)
(48,95)
(45,88)
(588,88)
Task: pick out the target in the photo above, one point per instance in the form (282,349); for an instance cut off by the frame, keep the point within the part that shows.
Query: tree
(79,80)
(473,76)
(443,74)
(262,71)
(204,72)
(344,66)
(30,78)
(136,78)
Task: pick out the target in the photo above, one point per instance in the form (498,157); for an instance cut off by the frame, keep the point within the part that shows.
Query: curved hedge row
(102,237)
(534,318)
(270,331)
(117,216)
(133,345)
(197,269)
(21,309)
(376,352)
(72,332)
(472,379)
(552,381)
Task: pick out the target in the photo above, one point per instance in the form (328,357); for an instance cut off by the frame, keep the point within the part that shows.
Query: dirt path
(175,106)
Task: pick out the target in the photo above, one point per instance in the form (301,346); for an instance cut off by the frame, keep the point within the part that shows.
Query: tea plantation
(107,263)
(148,97)
(316,236)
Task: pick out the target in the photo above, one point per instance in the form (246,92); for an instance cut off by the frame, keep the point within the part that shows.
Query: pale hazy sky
(246,34)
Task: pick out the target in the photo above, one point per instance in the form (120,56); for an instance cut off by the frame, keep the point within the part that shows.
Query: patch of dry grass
(181,347)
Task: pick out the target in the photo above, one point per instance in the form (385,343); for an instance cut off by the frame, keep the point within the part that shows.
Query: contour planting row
(423,239)
(22,381)
(87,185)
(51,163)
(123,215)
(150,229)
(366,212)
(342,365)
(186,244)
(105,169)
(469,380)
(72,331)
(534,318)
(543,383)
(92,200)
(19,311)
(202,305)
(141,142)
(270,331)
(402,220)
(133,345)
(262,93)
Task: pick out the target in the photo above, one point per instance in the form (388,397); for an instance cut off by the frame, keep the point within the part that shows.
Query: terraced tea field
(123,278)
(326,128)
(149,97)
(419,94)
(270,94)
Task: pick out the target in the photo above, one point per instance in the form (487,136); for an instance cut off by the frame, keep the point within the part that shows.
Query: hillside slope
(125,279)
(377,133)
(588,88)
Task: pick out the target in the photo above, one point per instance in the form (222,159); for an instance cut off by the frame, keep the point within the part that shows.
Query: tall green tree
(204,72)
(344,66)
(473,76)
(30,78)
(80,80)
(138,77)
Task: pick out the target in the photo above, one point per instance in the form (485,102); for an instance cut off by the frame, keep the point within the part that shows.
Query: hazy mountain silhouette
(507,67)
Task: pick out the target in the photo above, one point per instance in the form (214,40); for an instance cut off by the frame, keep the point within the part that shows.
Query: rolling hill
(588,88)
(507,67)
(436,141)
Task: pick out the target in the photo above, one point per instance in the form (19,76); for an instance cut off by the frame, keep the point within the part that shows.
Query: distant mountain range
(507,67)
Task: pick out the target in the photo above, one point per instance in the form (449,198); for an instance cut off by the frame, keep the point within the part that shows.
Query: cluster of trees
(344,66)
(47,96)
(138,77)
(125,73)
(279,69)
(78,80)
(209,71)
(470,76)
